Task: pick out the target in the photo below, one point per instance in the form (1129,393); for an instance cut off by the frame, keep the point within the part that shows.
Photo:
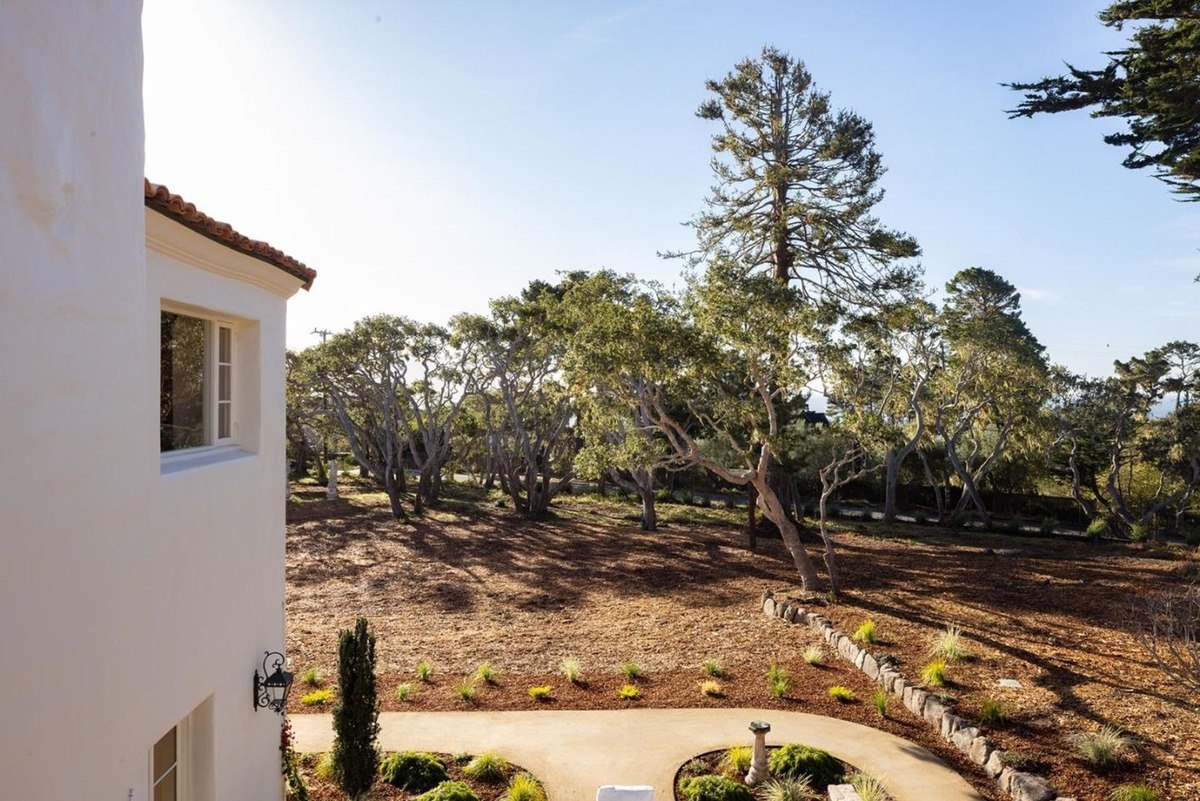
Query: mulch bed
(320,789)
(470,583)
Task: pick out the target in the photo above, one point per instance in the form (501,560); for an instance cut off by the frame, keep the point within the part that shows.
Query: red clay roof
(159,198)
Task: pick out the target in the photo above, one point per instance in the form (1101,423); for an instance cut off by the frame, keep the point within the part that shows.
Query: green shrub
(1134,792)
(312,677)
(1048,525)
(934,674)
(865,632)
(1139,532)
(711,688)
(462,758)
(1098,528)
(814,655)
(796,760)
(449,791)
(868,787)
(992,712)
(317,698)
(542,692)
(356,714)
(948,645)
(881,700)
(693,767)
(465,690)
(777,679)
(485,673)
(572,670)
(487,767)
(524,787)
(664,496)
(425,671)
(404,691)
(714,668)
(629,692)
(631,671)
(843,694)
(714,788)
(789,790)
(735,762)
(1103,747)
(414,771)
(1021,760)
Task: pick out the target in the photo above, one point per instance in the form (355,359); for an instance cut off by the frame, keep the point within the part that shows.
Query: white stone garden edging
(965,737)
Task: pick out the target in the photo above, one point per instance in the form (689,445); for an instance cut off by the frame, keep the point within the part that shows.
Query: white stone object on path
(758,764)
(843,792)
(331,493)
(1012,684)
(625,792)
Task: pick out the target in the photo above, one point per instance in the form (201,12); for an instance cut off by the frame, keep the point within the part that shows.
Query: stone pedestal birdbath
(758,763)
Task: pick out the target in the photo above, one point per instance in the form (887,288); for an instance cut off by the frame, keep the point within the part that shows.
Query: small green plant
(1048,525)
(324,768)
(948,645)
(1139,532)
(524,787)
(735,762)
(868,787)
(842,694)
(542,692)
(312,677)
(713,667)
(1021,760)
(414,771)
(784,789)
(795,760)
(462,758)
(631,671)
(711,688)
(865,632)
(714,788)
(487,767)
(1103,747)
(317,698)
(693,767)
(881,700)
(1098,529)
(404,691)
(572,670)
(1134,792)
(449,791)
(424,671)
(934,674)
(992,712)
(775,671)
(486,673)
(465,690)
(814,655)
(629,692)
(778,680)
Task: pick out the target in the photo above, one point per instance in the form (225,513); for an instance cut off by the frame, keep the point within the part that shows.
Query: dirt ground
(472,583)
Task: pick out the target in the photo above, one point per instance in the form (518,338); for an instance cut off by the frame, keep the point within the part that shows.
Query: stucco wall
(128,598)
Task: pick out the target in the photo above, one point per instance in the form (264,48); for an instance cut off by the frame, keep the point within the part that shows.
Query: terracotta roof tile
(159,198)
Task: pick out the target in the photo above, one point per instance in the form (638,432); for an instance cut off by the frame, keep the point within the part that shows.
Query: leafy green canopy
(1153,84)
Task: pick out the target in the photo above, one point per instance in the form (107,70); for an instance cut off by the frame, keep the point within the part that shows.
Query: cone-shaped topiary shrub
(356,714)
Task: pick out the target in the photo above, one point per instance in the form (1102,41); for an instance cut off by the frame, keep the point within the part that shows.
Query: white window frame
(182,786)
(213,325)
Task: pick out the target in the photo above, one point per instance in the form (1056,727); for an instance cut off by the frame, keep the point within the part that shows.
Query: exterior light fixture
(271,688)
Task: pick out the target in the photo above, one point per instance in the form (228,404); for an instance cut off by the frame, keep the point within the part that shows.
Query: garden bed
(321,786)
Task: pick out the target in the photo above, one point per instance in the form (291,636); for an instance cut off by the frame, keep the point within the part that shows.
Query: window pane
(223,345)
(223,421)
(224,377)
(165,789)
(164,754)
(181,382)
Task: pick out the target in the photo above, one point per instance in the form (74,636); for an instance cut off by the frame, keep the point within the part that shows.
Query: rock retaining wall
(960,733)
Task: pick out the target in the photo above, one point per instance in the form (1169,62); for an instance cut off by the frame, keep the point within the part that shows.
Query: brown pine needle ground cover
(472,583)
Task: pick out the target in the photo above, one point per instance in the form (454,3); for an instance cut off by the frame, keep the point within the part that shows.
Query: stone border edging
(954,730)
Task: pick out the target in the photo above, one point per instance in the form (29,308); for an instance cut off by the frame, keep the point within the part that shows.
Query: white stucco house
(142,477)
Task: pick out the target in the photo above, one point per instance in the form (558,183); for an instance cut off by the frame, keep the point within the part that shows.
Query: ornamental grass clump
(465,690)
(524,787)
(814,655)
(487,767)
(542,692)
(486,673)
(735,762)
(796,760)
(948,645)
(629,692)
(631,671)
(868,787)
(881,700)
(842,694)
(1103,747)
(934,674)
(865,632)
(413,771)
(713,667)
(425,671)
(449,791)
(992,712)
(714,788)
(572,670)
(312,677)
(778,680)
(711,689)
(1134,792)
(789,790)
(404,691)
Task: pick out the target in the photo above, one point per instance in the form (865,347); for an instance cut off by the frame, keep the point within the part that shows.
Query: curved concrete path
(573,751)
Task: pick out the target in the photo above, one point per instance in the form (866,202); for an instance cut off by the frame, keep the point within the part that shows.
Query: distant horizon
(425,160)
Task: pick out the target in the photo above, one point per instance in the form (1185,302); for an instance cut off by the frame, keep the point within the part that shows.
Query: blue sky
(425,157)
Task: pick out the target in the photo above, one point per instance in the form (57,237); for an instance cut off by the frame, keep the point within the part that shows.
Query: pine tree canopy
(1153,84)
